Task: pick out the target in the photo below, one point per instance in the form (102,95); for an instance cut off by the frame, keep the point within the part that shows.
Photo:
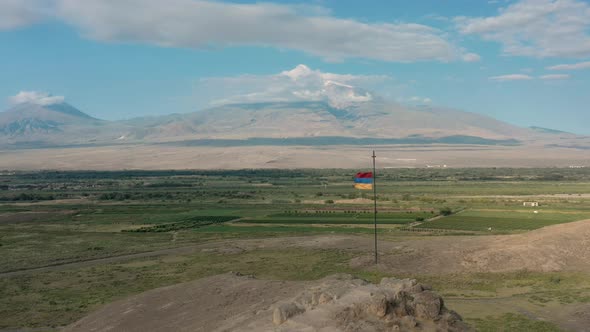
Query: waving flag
(363,181)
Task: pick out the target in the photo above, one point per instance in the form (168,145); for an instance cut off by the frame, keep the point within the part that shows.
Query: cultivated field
(71,242)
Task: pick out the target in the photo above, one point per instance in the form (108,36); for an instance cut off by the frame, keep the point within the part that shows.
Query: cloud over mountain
(35,97)
(298,84)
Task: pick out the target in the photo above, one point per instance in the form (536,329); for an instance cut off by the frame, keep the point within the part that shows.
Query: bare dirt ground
(564,247)
(182,307)
(172,157)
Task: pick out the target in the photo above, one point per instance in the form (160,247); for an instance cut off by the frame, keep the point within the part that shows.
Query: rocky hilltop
(233,302)
(344,303)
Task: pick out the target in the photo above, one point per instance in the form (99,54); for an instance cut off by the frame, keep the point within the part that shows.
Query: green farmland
(505,221)
(344,218)
(71,242)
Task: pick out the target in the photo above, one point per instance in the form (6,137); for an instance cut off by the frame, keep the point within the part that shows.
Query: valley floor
(87,243)
(119,157)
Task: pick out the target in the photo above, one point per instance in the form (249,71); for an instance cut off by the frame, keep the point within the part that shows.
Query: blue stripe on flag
(363,180)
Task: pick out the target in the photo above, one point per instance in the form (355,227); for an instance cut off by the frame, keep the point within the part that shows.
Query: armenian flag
(363,181)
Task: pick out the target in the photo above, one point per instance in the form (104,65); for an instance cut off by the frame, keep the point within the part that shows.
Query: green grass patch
(355,215)
(344,218)
(329,221)
(555,285)
(58,298)
(511,323)
(23,250)
(501,221)
(283,230)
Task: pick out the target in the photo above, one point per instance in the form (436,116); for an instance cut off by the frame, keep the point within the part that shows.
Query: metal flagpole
(375,202)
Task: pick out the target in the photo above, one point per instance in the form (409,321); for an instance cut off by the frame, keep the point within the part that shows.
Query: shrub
(446,211)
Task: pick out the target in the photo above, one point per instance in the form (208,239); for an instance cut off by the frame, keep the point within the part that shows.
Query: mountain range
(331,113)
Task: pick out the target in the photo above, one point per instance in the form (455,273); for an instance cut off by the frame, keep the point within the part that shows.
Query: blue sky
(526,62)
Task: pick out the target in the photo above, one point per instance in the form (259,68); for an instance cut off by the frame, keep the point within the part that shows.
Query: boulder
(285,311)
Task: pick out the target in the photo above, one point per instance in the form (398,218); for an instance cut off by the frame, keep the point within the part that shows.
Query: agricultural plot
(272,230)
(194,222)
(504,221)
(343,218)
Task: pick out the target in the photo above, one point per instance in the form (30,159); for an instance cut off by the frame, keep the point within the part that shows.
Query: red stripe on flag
(364,175)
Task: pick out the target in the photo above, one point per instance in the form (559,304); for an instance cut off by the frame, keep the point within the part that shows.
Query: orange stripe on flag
(364,186)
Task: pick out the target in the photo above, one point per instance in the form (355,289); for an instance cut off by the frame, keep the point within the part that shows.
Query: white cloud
(298,84)
(35,97)
(203,24)
(523,77)
(511,77)
(471,57)
(419,100)
(538,28)
(436,17)
(414,101)
(206,24)
(571,66)
(20,13)
(555,77)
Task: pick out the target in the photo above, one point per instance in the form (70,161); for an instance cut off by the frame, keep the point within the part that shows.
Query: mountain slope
(376,119)
(298,119)
(344,114)
(29,119)
(35,125)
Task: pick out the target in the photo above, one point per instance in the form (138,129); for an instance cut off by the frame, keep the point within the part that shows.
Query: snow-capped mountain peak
(314,85)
